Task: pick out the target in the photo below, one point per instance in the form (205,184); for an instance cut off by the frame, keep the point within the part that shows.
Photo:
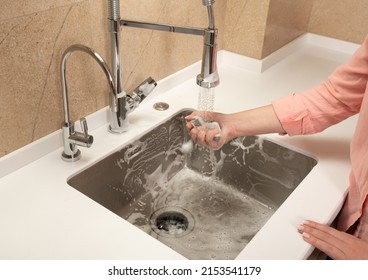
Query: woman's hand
(211,137)
(336,244)
(250,122)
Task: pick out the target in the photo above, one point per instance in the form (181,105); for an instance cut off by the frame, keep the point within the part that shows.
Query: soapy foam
(226,218)
(187,147)
(217,209)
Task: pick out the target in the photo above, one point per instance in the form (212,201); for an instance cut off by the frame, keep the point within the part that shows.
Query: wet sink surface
(204,204)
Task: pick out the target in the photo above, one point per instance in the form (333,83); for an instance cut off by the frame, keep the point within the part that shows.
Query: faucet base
(71,158)
(117,125)
(117,130)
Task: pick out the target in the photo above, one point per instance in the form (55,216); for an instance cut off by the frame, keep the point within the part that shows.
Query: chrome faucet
(72,138)
(122,103)
(208,77)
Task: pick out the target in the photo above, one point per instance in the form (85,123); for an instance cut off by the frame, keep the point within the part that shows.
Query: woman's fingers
(336,244)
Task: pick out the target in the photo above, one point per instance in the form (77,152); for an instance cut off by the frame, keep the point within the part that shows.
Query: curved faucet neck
(96,56)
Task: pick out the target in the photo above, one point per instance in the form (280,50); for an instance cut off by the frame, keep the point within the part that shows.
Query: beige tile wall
(256,28)
(31,44)
(245,26)
(286,21)
(34,34)
(342,19)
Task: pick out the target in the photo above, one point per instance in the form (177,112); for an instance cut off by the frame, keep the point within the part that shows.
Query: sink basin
(204,204)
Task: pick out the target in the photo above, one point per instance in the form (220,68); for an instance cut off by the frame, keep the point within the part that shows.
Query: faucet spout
(209,77)
(71,137)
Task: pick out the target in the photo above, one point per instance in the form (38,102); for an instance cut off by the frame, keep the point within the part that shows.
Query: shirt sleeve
(334,100)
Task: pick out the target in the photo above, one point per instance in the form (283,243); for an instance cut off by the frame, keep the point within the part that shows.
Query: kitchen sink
(205,204)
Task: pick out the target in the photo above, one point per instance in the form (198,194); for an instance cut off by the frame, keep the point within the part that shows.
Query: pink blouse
(342,95)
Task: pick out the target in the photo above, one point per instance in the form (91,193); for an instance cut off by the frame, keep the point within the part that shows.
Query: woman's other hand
(336,244)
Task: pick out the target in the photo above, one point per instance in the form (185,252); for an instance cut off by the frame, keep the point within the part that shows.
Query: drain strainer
(172,221)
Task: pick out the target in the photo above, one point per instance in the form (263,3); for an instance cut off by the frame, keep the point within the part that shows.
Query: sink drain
(172,222)
(161,106)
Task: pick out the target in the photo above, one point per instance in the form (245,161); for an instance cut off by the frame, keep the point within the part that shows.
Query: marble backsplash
(35,33)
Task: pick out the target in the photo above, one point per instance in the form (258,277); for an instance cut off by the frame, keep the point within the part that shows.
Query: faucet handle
(135,97)
(80,138)
(84,126)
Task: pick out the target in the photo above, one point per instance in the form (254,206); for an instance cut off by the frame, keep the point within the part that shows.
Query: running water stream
(206,101)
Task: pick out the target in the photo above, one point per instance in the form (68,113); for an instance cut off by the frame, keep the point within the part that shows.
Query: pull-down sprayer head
(209,78)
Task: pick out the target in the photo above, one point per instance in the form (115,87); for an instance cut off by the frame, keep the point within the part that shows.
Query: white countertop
(42,217)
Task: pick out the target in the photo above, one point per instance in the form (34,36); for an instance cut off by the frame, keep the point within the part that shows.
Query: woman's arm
(251,122)
(334,100)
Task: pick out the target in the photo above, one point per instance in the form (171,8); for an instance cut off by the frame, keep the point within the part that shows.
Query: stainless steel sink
(205,204)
